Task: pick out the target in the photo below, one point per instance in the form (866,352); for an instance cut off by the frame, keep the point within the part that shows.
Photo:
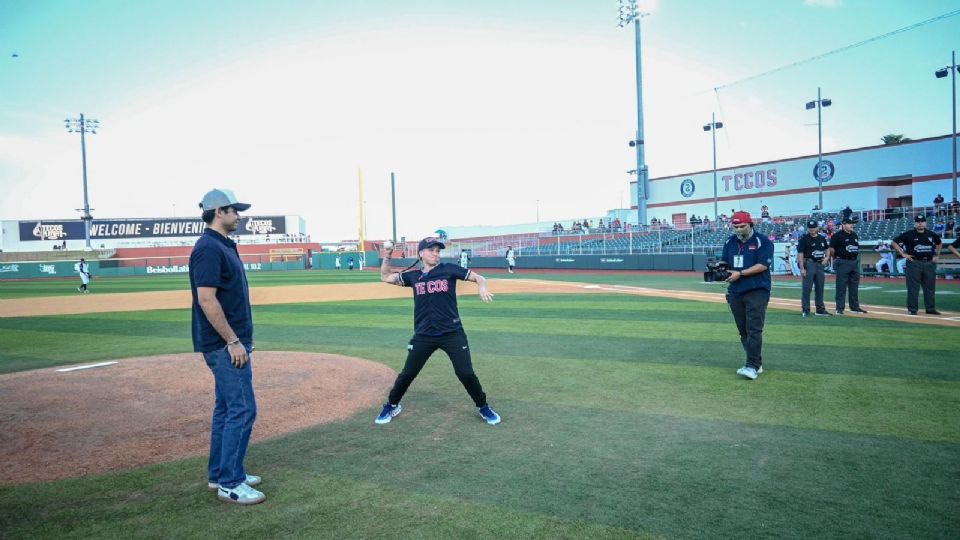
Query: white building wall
(864,178)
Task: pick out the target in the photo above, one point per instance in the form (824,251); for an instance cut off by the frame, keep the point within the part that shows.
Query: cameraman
(749,256)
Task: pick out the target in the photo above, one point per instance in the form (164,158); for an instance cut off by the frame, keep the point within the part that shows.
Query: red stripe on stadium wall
(841,187)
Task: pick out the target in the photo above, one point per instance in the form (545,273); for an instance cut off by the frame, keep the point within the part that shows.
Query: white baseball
(388,245)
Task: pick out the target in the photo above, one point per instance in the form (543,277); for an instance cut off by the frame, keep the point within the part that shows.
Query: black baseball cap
(813,223)
(429,242)
(849,221)
(920,218)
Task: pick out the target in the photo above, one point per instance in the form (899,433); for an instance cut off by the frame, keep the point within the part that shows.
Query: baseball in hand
(388,245)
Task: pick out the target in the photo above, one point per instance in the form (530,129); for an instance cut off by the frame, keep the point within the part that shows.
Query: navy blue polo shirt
(215,262)
(756,249)
(435,298)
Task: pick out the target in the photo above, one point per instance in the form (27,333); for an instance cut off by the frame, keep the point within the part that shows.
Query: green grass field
(623,418)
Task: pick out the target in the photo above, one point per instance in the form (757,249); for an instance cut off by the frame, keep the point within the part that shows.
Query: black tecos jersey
(845,245)
(812,248)
(921,245)
(435,298)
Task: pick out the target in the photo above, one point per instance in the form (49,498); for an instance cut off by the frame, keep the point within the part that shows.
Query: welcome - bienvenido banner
(141,228)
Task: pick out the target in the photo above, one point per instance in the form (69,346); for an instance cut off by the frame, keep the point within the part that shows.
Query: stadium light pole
(713,126)
(953,68)
(630,14)
(83,126)
(820,103)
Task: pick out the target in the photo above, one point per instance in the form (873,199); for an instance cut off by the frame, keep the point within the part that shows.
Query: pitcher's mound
(147,410)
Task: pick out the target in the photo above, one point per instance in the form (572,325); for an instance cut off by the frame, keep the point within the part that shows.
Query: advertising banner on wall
(142,228)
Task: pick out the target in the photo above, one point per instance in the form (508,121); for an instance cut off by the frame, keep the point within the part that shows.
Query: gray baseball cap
(219,198)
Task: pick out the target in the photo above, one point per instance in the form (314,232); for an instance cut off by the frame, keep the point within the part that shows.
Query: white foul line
(101,364)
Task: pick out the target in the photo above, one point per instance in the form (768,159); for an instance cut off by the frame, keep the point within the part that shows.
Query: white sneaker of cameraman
(748,372)
(242,494)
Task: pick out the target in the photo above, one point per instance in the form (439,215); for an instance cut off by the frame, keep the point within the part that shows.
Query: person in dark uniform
(921,248)
(749,256)
(812,256)
(436,324)
(222,330)
(845,252)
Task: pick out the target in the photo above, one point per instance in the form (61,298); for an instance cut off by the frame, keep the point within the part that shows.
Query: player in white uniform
(464,259)
(511,259)
(83,268)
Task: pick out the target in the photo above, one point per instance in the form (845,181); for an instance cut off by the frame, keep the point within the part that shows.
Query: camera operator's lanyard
(738,258)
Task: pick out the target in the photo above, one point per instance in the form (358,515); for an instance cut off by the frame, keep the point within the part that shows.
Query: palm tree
(894,139)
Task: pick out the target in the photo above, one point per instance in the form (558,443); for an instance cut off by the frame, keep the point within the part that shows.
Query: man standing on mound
(223,332)
(436,324)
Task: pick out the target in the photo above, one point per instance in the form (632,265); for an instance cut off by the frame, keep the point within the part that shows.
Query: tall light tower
(630,14)
(713,126)
(953,68)
(821,169)
(83,126)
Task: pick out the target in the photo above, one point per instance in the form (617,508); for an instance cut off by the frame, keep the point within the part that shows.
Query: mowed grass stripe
(437,471)
(299,506)
(855,404)
(671,476)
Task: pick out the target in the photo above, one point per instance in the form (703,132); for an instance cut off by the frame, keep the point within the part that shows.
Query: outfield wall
(129,267)
(680,262)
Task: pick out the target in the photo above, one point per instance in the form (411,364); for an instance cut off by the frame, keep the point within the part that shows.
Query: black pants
(419,350)
(749,311)
(848,280)
(814,278)
(921,274)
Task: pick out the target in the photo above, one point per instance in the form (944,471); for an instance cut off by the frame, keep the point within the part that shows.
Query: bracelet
(234,342)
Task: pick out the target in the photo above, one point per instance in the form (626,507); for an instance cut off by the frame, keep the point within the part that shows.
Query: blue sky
(481,108)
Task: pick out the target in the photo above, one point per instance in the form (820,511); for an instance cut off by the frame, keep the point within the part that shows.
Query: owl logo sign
(687,187)
(823,171)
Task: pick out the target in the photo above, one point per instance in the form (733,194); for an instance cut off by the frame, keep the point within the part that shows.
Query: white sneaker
(250,481)
(242,494)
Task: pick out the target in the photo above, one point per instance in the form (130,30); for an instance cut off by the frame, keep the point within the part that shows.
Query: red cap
(741,217)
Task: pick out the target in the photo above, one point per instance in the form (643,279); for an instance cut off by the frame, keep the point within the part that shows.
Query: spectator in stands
(765,213)
(600,225)
(954,207)
(846,213)
(939,227)
(706,222)
(64,245)
(938,204)
(654,222)
(948,232)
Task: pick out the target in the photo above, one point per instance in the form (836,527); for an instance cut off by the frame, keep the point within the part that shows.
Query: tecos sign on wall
(750,180)
(141,228)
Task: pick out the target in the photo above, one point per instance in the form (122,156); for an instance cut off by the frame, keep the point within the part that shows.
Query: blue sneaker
(489,415)
(748,372)
(388,412)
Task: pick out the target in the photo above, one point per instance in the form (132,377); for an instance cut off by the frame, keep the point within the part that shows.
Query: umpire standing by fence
(921,248)
(812,255)
(749,256)
(845,251)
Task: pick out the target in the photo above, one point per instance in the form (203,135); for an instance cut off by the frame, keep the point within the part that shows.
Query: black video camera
(716,271)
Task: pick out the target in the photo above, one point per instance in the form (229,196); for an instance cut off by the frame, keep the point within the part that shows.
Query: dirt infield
(147,410)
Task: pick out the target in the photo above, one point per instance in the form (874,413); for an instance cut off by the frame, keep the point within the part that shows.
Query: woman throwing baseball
(436,324)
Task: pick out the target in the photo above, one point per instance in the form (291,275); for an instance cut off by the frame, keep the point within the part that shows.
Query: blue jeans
(233,416)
